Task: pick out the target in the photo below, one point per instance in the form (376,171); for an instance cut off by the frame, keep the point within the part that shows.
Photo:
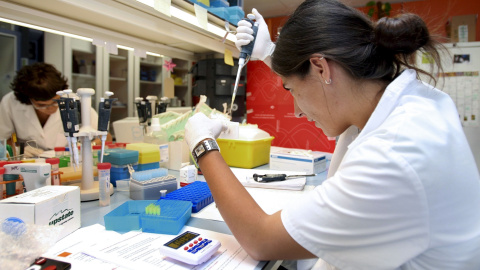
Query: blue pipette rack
(198,193)
(131,216)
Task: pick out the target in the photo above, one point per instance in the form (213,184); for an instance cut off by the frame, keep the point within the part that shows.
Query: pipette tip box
(120,172)
(148,153)
(150,189)
(119,156)
(148,166)
(314,163)
(131,216)
(198,193)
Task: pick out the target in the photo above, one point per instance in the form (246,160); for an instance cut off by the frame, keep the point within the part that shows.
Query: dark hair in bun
(367,50)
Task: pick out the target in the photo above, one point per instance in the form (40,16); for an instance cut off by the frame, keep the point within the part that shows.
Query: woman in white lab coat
(31,112)
(404,192)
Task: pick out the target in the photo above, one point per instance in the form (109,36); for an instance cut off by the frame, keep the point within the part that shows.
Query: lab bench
(93,214)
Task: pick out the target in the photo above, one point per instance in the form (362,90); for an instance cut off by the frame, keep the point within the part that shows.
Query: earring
(329,81)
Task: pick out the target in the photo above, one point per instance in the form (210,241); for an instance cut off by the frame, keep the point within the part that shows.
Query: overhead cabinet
(126,75)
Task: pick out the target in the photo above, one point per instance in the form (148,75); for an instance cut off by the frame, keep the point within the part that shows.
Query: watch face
(199,150)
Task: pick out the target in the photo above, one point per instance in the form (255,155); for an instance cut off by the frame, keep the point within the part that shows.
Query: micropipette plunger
(245,54)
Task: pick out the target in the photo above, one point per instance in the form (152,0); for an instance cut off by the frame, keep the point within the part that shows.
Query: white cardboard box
(286,161)
(188,175)
(49,205)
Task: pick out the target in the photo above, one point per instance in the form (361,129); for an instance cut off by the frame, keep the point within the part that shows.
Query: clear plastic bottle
(104,183)
(159,137)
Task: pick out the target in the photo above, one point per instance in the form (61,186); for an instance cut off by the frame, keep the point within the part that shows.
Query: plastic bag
(21,243)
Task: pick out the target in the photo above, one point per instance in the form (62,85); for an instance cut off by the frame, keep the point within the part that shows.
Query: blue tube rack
(197,192)
(131,216)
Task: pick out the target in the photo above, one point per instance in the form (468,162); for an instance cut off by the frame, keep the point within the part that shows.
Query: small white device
(35,175)
(190,247)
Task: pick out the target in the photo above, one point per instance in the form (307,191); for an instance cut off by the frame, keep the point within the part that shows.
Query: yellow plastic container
(245,154)
(69,174)
(147,152)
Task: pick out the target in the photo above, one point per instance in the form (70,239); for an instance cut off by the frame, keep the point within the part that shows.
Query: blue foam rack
(197,192)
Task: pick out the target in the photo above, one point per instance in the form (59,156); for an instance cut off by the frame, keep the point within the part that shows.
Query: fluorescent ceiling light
(154,54)
(45,29)
(125,48)
(192,19)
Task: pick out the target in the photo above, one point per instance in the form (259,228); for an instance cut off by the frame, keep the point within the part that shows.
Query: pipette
(104,109)
(69,114)
(144,112)
(245,54)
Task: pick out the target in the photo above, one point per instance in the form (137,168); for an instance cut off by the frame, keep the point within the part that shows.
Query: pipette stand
(89,189)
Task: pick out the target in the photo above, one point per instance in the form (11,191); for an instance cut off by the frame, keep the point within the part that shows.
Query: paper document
(245,177)
(94,247)
(270,200)
(70,249)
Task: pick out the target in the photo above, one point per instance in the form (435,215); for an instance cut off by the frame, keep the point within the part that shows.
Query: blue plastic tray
(126,217)
(131,216)
(236,11)
(219,3)
(219,11)
(198,193)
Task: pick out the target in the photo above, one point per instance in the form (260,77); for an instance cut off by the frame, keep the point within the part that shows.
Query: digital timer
(190,247)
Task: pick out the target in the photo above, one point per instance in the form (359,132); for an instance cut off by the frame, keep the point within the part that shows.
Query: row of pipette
(69,107)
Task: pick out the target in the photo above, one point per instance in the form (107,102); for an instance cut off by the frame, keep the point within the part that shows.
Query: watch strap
(202,148)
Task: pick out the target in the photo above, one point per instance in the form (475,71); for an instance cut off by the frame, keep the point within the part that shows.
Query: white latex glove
(199,127)
(30,151)
(264,46)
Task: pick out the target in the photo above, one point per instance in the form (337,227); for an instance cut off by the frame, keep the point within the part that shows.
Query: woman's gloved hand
(30,151)
(199,127)
(264,46)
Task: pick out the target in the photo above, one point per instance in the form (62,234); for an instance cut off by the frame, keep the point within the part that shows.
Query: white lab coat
(19,118)
(406,194)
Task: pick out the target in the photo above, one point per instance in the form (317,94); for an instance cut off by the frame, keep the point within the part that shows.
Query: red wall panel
(270,106)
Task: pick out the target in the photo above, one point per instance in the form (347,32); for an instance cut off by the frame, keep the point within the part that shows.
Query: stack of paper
(94,247)
(245,176)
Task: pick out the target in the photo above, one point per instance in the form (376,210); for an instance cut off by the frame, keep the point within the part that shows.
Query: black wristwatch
(203,147)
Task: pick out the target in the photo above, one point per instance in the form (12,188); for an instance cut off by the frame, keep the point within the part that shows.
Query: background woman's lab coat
(21,119)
